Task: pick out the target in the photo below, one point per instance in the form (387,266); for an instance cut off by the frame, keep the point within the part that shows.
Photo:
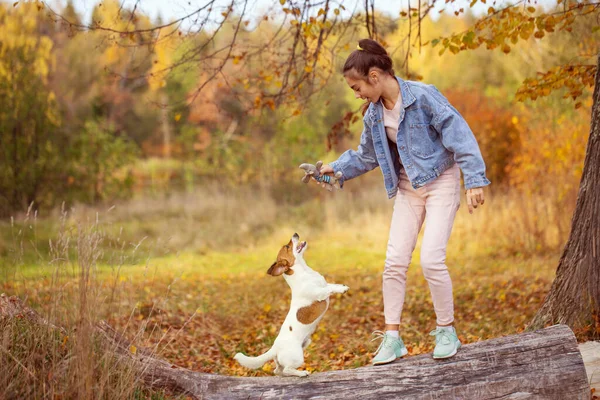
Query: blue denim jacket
(432,136)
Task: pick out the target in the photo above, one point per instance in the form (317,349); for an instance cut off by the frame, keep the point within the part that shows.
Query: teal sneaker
(446,343)
(389,350)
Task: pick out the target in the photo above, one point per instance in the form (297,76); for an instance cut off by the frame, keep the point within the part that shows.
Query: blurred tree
(51,92)
(126,55)
(498,131)
(163,52)
(98,156)
(29,118)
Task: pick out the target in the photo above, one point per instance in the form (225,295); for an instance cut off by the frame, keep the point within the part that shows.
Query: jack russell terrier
(310,299)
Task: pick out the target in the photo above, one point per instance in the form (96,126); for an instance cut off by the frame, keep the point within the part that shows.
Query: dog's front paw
(303,374)
(337,288)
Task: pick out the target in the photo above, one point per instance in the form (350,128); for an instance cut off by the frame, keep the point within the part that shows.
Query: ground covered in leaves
(198,318)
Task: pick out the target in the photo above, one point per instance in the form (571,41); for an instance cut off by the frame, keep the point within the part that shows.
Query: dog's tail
(255,362)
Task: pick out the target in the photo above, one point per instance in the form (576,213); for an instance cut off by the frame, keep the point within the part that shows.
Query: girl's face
(367,89)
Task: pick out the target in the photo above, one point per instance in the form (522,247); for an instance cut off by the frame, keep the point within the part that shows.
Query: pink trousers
(435,204)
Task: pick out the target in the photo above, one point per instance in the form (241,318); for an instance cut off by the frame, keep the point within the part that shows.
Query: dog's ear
(279,267)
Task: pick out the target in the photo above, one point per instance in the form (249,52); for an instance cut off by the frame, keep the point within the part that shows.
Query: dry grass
(43,361)
(185,276)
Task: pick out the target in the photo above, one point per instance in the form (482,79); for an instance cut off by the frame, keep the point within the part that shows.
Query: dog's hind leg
(288,371)
(291,358)
(278,369)
(306,342)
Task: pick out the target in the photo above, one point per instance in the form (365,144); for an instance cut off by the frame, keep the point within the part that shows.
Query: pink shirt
(391,119)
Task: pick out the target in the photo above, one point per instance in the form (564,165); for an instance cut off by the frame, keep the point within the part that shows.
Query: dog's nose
(296,236)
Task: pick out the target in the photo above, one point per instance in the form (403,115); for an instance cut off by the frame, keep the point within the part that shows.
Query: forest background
(138,187)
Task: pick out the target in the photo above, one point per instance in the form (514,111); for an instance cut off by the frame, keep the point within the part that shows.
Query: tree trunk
(574,298)
(166,126)
(545,364)
(15,168)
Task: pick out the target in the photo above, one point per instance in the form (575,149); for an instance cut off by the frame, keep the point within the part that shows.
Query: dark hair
(372,55)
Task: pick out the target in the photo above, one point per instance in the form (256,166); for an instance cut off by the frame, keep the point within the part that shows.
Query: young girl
(419,141)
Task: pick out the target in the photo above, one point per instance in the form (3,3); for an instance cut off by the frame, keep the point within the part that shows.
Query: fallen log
(545,364)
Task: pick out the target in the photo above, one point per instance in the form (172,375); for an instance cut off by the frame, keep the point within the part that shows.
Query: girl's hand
(326,170)
(475,197)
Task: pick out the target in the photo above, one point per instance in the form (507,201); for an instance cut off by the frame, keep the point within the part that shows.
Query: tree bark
(545,364)
(166,125)
(574,298)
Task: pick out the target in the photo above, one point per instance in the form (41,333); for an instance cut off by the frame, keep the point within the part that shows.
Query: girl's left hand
(475,198)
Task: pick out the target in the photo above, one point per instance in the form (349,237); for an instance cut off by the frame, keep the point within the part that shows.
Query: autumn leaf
(468,38)
(267,367)
(133,349)
(177,117)
(15,3)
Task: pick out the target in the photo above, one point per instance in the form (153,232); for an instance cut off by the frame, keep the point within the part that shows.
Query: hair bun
(372,46)
(368,54)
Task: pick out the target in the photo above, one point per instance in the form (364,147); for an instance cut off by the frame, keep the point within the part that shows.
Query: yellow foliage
(26,59)
(20,41)
(552,150)
(163,58)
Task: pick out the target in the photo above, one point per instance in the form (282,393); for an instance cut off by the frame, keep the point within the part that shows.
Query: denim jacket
(432,136)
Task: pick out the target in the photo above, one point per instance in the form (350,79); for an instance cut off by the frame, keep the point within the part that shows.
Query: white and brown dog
(310,299)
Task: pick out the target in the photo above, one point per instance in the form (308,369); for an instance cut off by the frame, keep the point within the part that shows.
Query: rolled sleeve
(353,163)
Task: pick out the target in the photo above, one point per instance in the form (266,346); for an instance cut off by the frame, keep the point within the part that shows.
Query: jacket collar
(407,99)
